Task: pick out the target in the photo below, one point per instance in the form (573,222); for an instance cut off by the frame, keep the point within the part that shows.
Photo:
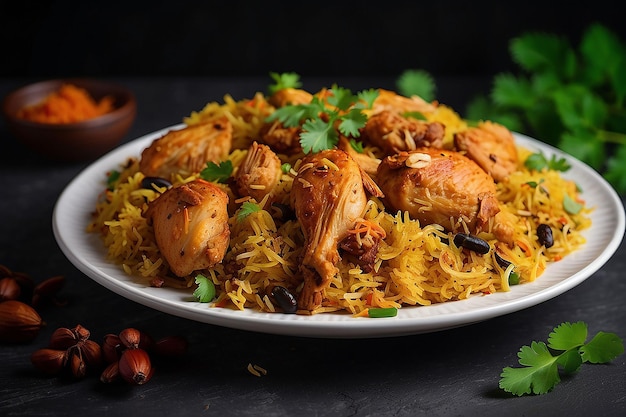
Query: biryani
(299,202)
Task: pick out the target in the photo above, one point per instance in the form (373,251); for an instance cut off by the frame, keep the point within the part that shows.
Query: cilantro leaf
(317,135)
(572,97)
(538,162)
(538,377)
(318,121)
(205,292)
(246,209)
(416,82)
(112,178)
(217,172)
(567,336)
(540,370)
(284,80)
(604,347)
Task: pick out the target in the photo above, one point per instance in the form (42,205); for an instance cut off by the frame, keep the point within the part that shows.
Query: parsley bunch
(568,341)
(571,98)
(323,120)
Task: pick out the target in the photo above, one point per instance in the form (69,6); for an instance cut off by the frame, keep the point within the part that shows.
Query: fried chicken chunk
(392,132)
(281,139)
(290,96)
(390,100)
(190,224)
(259,173)
(187,150)
(490,145)
(328,196)
(439,186)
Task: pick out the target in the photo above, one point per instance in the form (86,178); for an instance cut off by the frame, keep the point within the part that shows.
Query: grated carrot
(69,104)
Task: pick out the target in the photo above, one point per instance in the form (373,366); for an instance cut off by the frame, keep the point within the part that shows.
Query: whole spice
(9,289)
(19,322)
(49,361)
(128,355)
(69,350)
(135,366)
(47,291)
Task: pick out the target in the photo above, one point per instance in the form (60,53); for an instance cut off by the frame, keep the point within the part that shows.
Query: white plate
(86,251)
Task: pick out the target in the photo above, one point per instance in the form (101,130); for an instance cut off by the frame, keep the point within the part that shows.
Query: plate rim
(325,325)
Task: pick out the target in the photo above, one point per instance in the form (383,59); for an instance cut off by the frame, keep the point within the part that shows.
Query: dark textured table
(452,372)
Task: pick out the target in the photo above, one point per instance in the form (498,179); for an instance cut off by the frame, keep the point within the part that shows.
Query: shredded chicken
(186,151)
(290,96)
(328,196)
(392,132)
(390,100)
(191,225)
(490,145)
(439,186)
(281,139)
(259,173)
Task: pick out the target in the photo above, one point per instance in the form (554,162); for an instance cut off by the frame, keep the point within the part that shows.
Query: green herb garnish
(112,178)
(415,82)
(246,209)
(540,371)
(318,120)
(206,289)
(571,206)
(571,97)
(284,80)
(217,172)
(539,162)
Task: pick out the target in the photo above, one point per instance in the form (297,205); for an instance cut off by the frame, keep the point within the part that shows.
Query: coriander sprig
(323,120)
(567,350)
(572,98)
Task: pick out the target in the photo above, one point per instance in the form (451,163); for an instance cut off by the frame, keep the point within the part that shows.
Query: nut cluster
(120,357)
(19,297)
(128,355)
(69,351)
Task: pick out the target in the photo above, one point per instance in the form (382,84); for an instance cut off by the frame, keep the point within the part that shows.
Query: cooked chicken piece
(190,224)
(504,226)
(187,150)
(490,145)
(259,173)
(394,133)
(284,140)
(439,186)
(390,100)
(367,162)
(328,196)
(290,96)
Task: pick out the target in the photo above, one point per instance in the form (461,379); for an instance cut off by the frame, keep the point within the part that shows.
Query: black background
(239,38)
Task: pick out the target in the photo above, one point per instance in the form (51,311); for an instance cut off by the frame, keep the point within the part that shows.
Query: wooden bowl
(79,141)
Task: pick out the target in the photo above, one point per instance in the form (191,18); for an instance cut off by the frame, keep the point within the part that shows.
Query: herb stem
(612,137)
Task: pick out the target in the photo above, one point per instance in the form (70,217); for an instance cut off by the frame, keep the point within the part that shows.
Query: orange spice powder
(69,104)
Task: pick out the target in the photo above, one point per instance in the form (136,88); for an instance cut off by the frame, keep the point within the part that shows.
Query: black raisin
(285,299)
(472,243)
(151,182)
(544,234)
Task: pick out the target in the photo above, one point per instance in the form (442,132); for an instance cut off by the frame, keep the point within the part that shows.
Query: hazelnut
(19,322)
(130,338)
(112,348)
(111,373)
(135,367)
(48,361)
(9,289)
